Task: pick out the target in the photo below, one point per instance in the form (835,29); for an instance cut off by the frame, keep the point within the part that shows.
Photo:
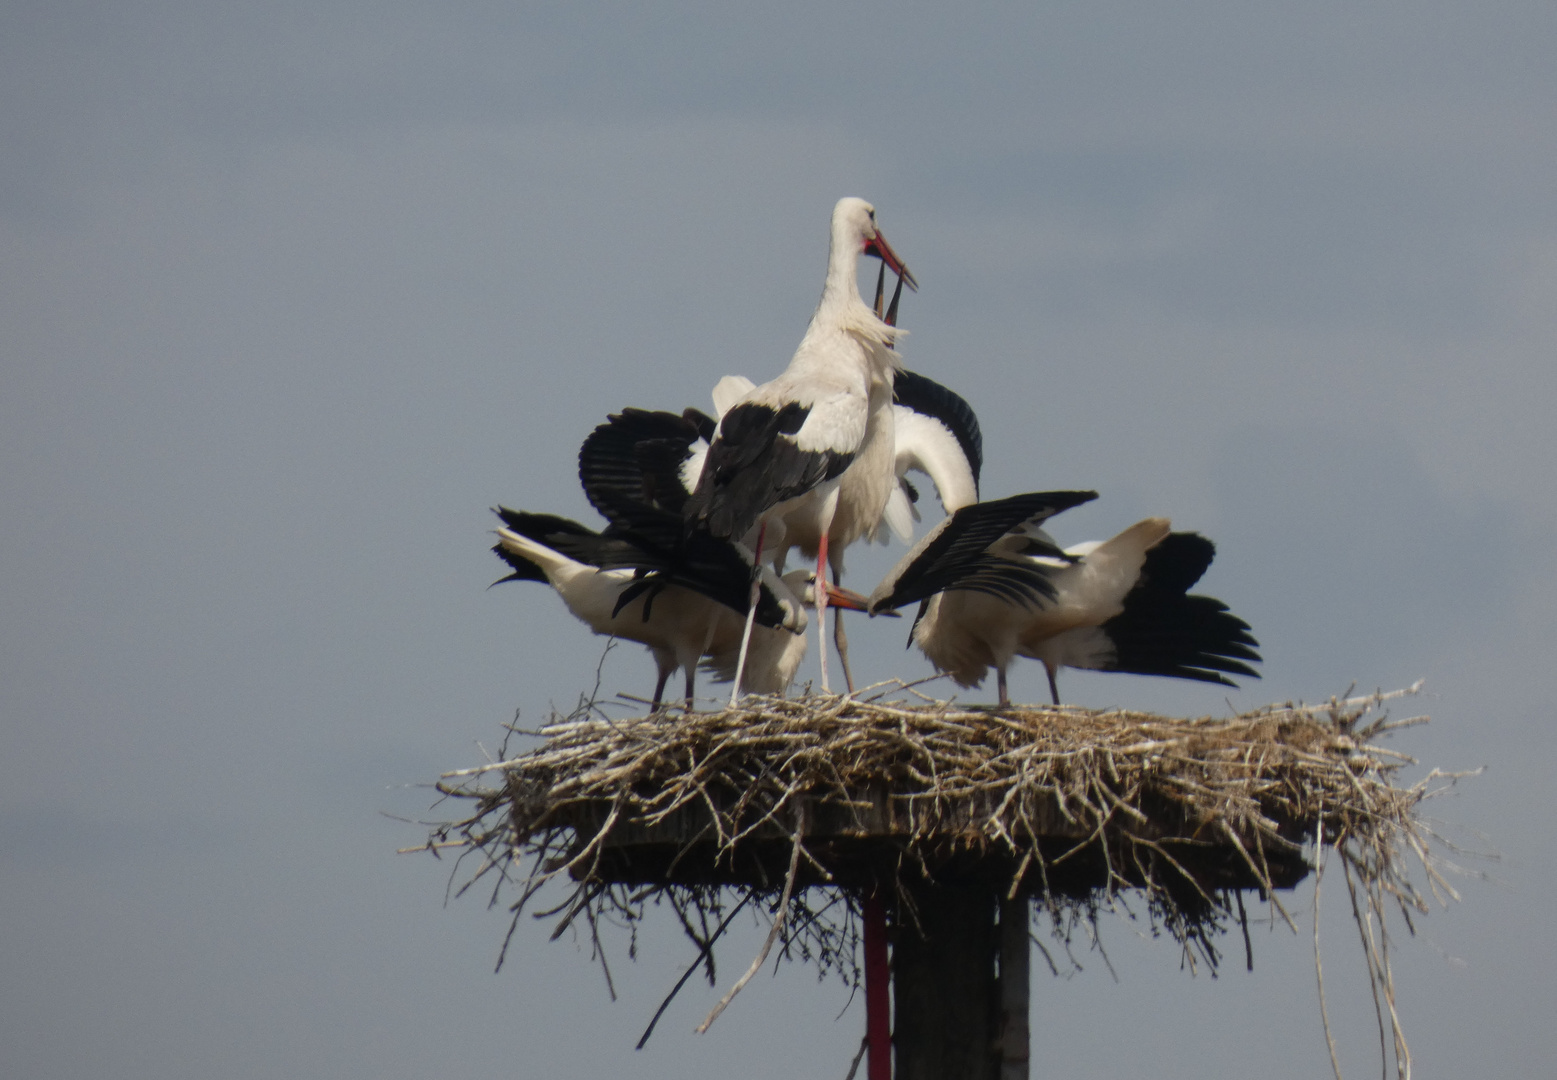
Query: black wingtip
(523,569)
(1162,631)
(929,398)
(956,555)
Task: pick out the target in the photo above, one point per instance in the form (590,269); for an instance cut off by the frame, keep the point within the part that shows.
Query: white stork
(682,618)
(1112,605)
(783,456)
(934,432)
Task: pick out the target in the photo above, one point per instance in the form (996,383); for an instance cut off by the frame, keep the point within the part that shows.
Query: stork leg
(878,976)
(1054,689)
(751,616)
(659,689)
(1000,681)
(708,639)
(840,639)
(821,607)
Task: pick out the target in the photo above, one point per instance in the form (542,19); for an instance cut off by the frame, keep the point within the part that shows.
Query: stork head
(854,228)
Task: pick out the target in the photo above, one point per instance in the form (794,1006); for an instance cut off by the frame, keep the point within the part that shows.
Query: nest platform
(807,805)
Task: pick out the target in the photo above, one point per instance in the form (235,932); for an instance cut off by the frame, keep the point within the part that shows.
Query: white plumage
(964,633)
(993,586)
(812,450)
(934,432)
(946,448)
(679,626)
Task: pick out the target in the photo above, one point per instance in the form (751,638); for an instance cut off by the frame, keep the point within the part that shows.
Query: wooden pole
(1014,955)
(945,997)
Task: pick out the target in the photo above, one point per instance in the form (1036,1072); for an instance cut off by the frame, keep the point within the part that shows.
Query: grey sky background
(291,293)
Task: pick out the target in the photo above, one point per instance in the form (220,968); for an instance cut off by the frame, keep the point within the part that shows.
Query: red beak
(883,251)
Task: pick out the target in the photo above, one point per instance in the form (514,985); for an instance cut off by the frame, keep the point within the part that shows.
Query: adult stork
(786,455)
(934,432)
(1112,605)
(679,610)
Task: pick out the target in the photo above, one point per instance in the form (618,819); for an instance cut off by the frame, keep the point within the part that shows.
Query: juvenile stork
(1114,605)
(681,611)
(1161,629)
(786,454)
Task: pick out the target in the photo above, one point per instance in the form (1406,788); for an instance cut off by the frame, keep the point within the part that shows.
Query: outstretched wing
(764,454)
(649,542)
(956,553)
(638,458)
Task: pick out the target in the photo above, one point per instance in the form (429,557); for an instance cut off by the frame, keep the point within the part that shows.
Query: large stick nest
(1076,807)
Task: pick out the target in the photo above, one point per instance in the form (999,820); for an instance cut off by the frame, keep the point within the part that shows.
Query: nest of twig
(712,811)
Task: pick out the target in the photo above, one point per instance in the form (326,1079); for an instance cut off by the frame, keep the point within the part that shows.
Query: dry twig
(1071,805)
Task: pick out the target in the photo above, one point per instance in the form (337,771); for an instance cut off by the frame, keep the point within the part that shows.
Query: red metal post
(878,979)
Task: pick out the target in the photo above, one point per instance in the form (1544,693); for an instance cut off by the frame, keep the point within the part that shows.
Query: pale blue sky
(290,294)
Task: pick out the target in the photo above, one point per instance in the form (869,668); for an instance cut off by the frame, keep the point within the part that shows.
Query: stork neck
(843,261)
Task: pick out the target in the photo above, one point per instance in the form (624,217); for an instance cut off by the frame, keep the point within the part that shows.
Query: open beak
(897,294)
(839,597)
(883,251)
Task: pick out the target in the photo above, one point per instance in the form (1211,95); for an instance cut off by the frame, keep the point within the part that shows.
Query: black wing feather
(651,544)
(706,425)
(754,465)
(543,528)
(929,398)
(635,459)
(1162,631)
(958,557)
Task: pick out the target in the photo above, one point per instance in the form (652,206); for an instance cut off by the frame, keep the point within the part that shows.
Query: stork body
(640,457)
(781,453)
(965,632)
(678,624)
(934,432)
(1109,605)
